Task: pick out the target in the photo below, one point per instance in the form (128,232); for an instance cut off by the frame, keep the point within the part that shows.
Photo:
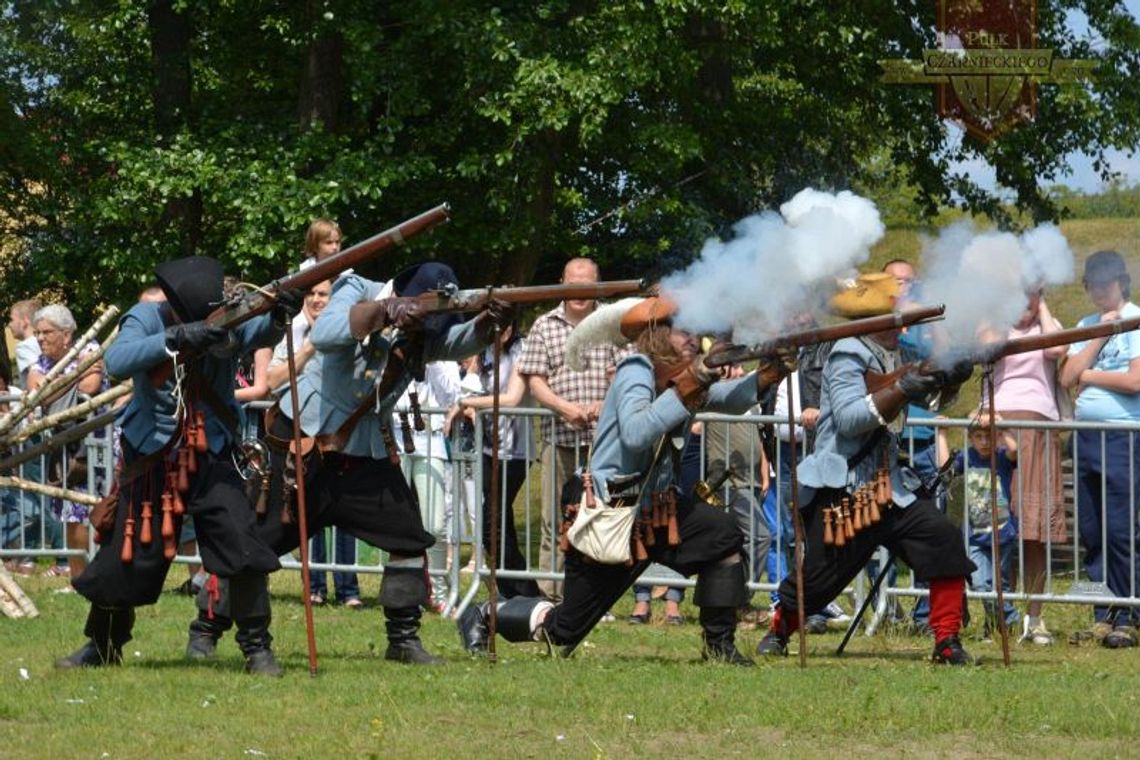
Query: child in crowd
(970,501)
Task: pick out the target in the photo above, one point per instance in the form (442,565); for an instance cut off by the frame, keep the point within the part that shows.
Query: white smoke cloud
(983,277)
(774,265)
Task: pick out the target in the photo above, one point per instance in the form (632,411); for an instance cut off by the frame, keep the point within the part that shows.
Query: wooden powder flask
(200,442)
(857,516)
(390,445)
(840,539)
(848,523)
(674,537)
(828,536)
(646,523)
(177,505)
(873,506)
(146,530)
(406,433)
(883,487)
(128,554)
(262,506)
(167,530)
(191,461)
(183,482)
(639,552)
(417,413)
(169,540)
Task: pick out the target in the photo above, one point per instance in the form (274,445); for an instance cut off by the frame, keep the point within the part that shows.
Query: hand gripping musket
(247,305)
(50,386)
(854,328)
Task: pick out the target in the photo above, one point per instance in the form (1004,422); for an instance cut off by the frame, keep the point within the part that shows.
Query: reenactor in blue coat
(187,412)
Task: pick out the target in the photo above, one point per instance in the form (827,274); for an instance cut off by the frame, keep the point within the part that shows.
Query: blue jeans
(1108,512)
(346,585)
(645,593)
(982,579)
(781,538)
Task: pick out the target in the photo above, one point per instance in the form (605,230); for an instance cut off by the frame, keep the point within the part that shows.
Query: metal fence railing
(449,478)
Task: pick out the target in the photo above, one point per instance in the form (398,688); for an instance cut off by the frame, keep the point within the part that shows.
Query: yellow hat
(870,295)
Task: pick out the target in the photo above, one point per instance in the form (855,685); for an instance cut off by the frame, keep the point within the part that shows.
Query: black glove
(772,369)
(287,304)
(958,373)
(501,313)
(916,383)
(195,337)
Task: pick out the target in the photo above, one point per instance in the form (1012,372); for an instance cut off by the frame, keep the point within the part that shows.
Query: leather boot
(404,643)
(473,631)
(107,631)
(254,639)
(719,632)
(204,635)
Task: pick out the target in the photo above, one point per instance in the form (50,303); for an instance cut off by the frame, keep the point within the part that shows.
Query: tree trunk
(322,80)
(170,32)
(517,267)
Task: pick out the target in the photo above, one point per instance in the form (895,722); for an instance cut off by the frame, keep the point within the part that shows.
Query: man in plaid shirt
(574,397)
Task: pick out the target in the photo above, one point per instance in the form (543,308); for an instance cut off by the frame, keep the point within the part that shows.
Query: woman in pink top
(1025,390)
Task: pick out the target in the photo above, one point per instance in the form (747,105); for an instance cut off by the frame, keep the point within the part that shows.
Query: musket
(246,305)
(852,329)
(452,299)
(997,350)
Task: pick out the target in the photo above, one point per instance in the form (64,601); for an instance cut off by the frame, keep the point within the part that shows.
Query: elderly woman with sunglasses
(54,329)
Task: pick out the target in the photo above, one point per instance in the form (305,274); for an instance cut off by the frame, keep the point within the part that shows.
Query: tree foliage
(134,131)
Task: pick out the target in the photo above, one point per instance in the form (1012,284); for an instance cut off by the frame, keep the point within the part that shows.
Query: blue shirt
(148,420)
(634,419)
(1101,404)
(977,490)
(344,372)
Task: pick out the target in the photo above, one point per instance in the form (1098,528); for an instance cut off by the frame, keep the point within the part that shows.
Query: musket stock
(854,328)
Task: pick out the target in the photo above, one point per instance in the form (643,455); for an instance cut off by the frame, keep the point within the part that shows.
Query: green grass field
(629,690)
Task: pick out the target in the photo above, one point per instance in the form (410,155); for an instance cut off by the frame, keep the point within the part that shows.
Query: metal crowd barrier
(455,475)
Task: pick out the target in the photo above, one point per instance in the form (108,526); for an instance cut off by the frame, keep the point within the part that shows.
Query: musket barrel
(854,328)
(250,305)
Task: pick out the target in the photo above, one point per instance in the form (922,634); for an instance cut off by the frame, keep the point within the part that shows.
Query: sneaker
(27,567)
(1120,637)
(58,571)
(835,614)
(317,599)
(638,619)
(949,651)
(353,603)
(608,618)
(1034,631)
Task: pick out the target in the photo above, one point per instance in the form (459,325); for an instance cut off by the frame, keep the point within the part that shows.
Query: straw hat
(869,296)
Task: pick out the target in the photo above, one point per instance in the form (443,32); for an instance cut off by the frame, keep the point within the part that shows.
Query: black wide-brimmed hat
(423,278)
(193,286)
